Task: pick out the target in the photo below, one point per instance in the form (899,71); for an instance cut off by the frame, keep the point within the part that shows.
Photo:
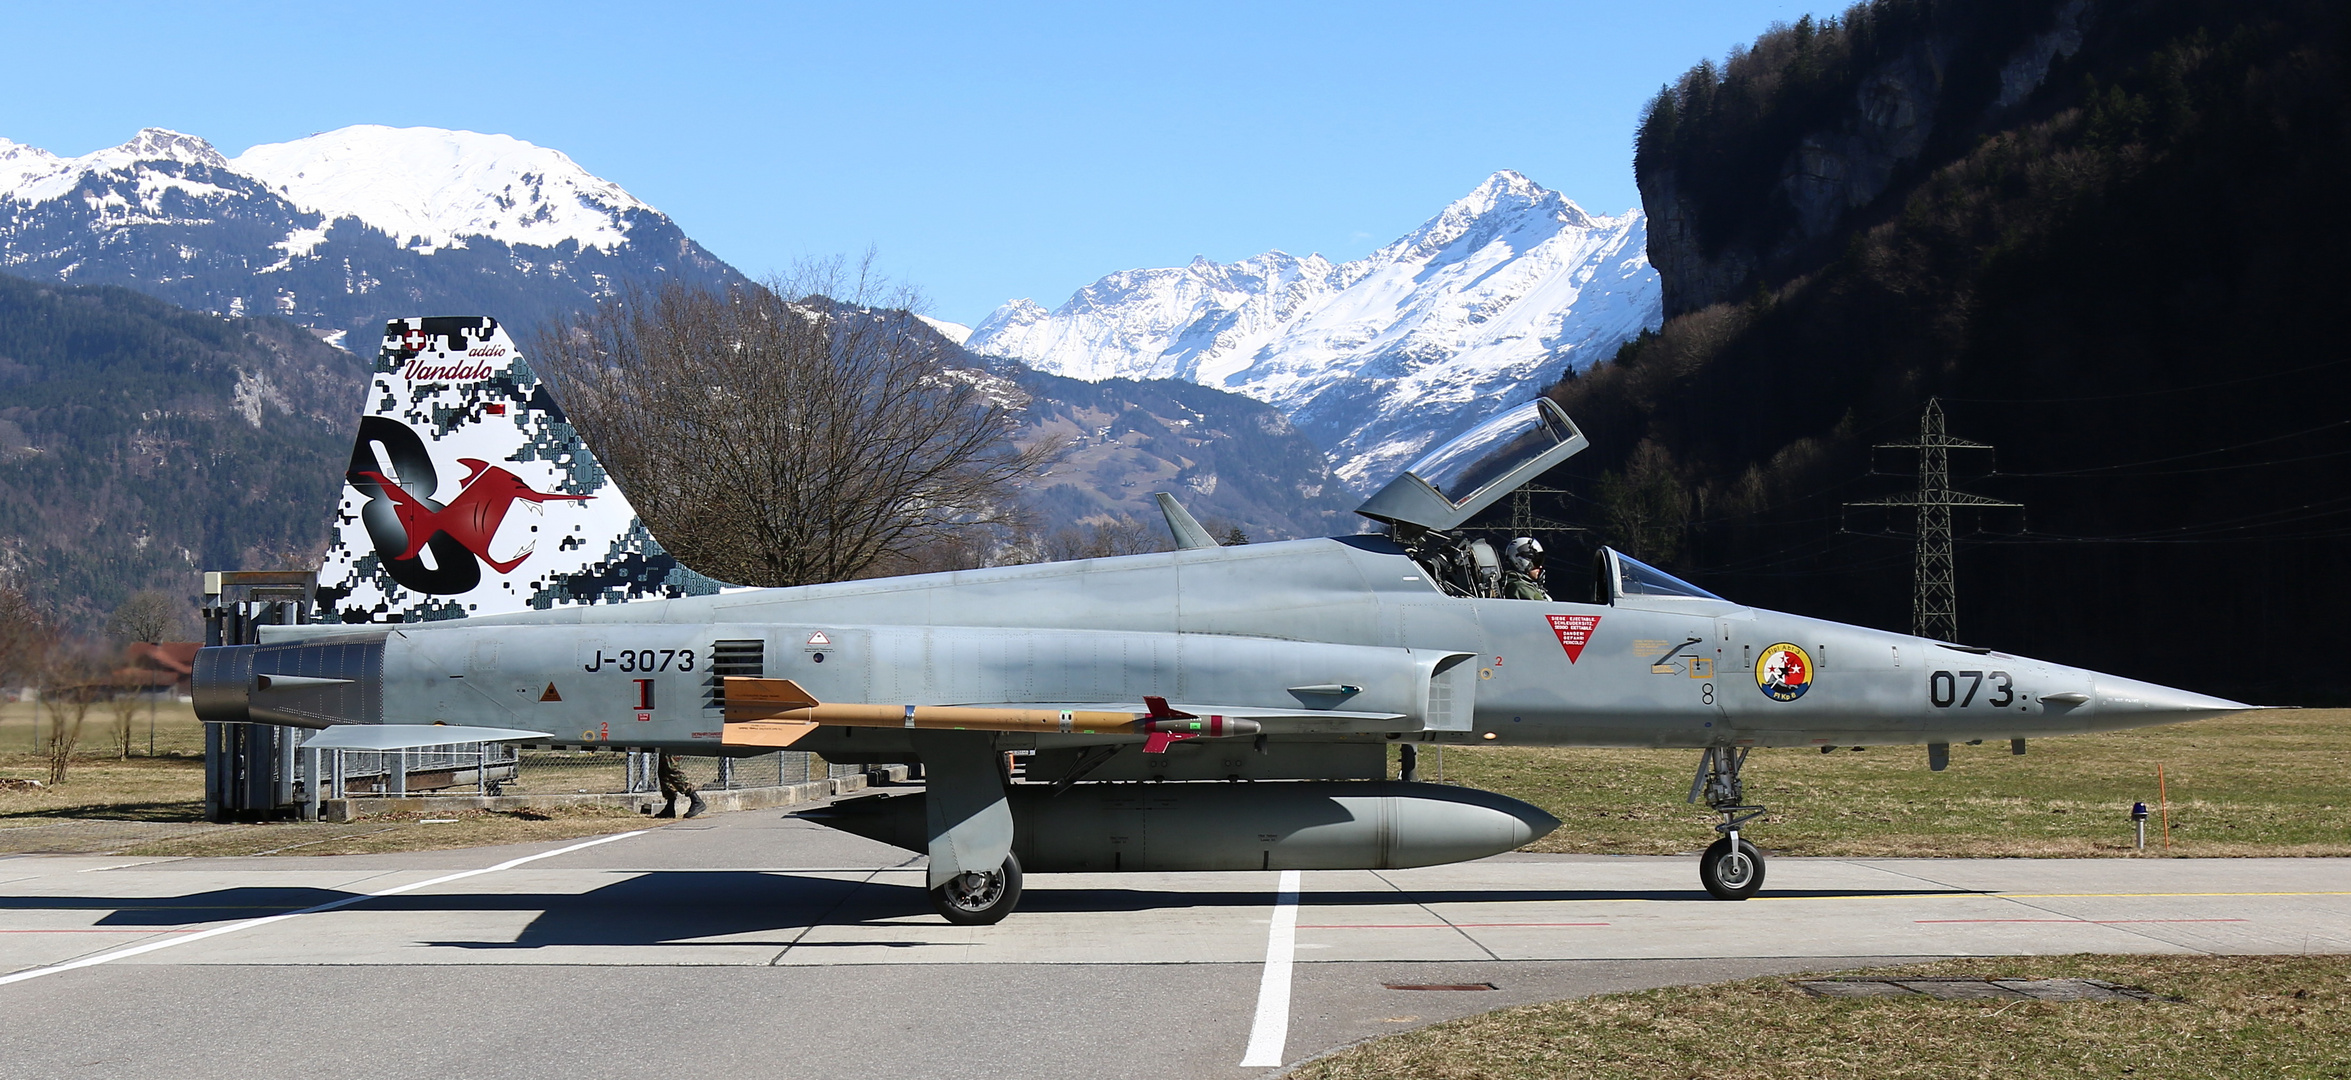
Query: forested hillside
(142,443)
(2109,235)
(1229,459)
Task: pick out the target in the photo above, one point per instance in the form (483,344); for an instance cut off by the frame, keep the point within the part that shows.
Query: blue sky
(983,151)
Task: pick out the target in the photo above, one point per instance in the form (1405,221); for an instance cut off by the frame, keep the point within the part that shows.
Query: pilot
(673,782)
(1523,577)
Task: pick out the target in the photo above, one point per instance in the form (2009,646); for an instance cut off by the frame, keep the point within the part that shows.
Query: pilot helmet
(1526,554)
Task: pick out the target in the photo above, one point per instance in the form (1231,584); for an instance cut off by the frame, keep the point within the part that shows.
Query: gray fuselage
(1331,640)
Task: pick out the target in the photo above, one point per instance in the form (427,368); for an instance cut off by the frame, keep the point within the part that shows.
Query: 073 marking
(1943,690)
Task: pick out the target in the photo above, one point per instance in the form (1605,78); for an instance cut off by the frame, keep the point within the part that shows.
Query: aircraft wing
(779,712)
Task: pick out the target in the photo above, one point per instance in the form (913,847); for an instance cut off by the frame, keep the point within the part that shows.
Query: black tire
(976,899)
(1728,874)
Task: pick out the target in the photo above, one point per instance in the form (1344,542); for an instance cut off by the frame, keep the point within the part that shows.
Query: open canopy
(1473,470)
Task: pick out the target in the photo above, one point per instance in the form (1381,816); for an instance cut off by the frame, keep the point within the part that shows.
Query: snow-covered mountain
(340,230)
(1378,358)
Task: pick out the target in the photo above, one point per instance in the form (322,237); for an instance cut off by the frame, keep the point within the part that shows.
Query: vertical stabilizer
(468,493)
(1181,524)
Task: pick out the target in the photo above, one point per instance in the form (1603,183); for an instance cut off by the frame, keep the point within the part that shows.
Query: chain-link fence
(502,769)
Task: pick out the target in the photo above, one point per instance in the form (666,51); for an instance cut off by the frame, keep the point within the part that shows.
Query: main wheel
(1731,873)
(972,898)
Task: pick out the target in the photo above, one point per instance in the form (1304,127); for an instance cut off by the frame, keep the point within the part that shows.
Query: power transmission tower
(1934,602)
(1523,521)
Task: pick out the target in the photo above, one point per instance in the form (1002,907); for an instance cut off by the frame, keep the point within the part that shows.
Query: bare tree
(23,629)
(1118,536)
(149,615)
(73,678)
(125,709)
(802,431)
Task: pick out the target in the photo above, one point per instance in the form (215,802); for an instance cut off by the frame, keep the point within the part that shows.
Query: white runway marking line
(1271,1031)
(199,935)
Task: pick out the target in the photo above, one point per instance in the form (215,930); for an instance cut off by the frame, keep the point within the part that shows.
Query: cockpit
(1426,506)
(1618,576)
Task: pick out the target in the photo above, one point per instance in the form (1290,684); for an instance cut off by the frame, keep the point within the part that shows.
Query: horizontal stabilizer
(410,736)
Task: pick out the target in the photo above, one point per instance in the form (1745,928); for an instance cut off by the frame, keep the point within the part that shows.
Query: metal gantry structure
(1523,521)
(1934,603)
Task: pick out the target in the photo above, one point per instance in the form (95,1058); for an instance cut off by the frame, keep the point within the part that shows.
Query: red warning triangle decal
(551,695)
(1575,632)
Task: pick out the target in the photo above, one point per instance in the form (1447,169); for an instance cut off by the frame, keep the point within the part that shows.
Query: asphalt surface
(755,942)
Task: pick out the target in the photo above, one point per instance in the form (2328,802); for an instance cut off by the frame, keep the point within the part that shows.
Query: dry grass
(140,789)
(2258,784)
(2266,783)
(104,795)
(177,731)
(2283,1016)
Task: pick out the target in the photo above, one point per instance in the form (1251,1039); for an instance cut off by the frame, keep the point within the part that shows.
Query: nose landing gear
(1731,868)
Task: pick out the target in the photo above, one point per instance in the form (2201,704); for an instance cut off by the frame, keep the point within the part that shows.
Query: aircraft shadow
(692,908)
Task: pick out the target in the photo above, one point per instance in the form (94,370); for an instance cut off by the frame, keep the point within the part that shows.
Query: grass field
(2265,783)
(2234,1016)
(174,722)
(2268,783)
(106,798)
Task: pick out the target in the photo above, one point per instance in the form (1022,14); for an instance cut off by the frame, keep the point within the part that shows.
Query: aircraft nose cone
(2149,703)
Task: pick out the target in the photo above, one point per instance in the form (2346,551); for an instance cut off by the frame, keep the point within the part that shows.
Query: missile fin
(1160,710)
(751,698)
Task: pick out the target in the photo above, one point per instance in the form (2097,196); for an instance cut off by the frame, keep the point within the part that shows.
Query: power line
(2263,377)
(1523,521)
(2099,470)
(1934,601)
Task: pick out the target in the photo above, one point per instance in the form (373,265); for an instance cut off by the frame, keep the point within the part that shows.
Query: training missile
(777,712)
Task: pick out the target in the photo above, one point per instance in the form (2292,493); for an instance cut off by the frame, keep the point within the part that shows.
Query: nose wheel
(1731,868)
(972,898)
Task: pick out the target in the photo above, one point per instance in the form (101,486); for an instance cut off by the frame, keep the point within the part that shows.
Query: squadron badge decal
(1784,672)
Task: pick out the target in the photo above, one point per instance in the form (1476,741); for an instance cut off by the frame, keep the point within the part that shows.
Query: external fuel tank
(1276,825)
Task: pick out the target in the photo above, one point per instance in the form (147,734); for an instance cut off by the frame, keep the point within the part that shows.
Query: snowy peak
(1506,200)
(341,230)
(20,163)
(430,187)
(1376,358)
(164,144)
(427,188)
(32,175)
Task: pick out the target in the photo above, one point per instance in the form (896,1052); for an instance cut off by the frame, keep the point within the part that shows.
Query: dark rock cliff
(2106,234)
(1839,130)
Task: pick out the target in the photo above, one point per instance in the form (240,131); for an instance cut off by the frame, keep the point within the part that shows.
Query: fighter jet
(1207,708)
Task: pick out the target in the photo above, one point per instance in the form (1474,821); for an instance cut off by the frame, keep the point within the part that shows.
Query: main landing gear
(972,898)
(1731,869)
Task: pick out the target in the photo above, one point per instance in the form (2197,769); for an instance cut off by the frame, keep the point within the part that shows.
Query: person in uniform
(1522,578)
(674,783)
